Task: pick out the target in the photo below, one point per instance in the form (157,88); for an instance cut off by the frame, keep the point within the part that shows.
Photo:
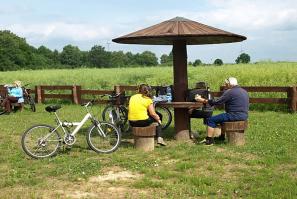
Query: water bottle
(168,94)
(208,93)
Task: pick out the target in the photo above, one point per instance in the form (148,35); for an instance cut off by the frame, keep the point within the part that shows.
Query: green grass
(266,167)
(263,168)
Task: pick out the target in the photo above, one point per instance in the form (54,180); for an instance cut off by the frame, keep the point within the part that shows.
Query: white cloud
(243,15)
(252,14)
(75,32)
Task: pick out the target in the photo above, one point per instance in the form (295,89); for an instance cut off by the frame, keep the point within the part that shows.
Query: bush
(218,62)
(197,62)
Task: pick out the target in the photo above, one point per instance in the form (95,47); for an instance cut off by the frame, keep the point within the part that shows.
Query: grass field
(266,167)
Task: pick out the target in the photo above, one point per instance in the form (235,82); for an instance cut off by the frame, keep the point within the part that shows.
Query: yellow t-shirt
(138,106)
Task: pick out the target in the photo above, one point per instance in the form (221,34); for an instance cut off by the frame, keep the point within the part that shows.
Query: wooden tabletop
(181,104)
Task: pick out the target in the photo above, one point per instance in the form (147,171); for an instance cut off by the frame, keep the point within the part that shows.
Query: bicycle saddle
(52,108)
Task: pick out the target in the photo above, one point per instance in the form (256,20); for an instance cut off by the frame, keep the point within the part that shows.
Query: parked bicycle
(117,113)
(28,103)
(42,140)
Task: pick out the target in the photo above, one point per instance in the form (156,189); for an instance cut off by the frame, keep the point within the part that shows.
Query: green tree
(119,59)
(98,57)
(243,58)
(218,62)
(166,59)
(71,55)
(146,58)
(15,52)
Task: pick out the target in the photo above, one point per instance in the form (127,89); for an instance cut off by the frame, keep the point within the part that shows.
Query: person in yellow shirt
(142,111)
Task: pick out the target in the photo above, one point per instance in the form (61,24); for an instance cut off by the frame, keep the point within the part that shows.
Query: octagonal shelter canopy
(179,28)
(180,32)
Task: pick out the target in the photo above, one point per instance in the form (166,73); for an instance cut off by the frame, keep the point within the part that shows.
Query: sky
(269,25)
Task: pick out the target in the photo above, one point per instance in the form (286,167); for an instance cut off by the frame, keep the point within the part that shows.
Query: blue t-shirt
(15,92)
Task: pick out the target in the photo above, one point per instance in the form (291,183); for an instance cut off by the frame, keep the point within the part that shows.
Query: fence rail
(78,95)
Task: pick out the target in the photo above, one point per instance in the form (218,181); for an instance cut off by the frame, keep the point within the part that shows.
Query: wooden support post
(118,90)
(292,96)
(76,93)
(38,97)
(144,137)
(180,88)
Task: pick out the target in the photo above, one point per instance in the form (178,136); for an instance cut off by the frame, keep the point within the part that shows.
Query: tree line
(17,54)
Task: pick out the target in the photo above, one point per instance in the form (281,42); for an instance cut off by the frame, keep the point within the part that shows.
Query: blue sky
(270,26)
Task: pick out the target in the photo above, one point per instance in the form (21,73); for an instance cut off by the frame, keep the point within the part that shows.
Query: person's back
(141,112)
(138,106)
(238,100)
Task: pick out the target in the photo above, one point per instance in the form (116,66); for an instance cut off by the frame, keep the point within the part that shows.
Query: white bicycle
(42,141)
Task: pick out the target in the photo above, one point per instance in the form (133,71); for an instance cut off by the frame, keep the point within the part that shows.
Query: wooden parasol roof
(179,28)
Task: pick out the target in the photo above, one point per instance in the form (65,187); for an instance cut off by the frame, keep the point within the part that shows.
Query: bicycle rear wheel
(41,141)
(123,113)
(103,144)
(166,116)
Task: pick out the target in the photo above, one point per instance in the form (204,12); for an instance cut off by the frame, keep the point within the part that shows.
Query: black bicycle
(117,113)
(29,101)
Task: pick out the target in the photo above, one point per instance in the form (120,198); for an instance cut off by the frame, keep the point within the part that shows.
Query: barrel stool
(235,132)
(144,137)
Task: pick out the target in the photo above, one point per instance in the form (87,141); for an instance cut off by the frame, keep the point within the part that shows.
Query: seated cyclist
(142,111)
(15,95)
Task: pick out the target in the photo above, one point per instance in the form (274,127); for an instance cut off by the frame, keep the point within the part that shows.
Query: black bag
(161,90)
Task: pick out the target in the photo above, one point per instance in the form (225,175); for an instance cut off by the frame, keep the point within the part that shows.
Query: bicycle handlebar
(110,95)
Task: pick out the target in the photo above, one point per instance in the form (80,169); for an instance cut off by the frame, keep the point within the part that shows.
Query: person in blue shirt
(236,101)
(15,95)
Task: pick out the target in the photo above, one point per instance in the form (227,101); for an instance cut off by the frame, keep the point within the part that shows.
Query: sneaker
(203,141)
(220,138)
(209,142)
(160,141)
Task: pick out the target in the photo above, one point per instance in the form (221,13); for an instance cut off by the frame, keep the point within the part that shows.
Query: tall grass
(264,74)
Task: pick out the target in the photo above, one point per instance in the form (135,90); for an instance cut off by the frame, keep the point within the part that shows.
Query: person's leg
(7,103)
(212,123)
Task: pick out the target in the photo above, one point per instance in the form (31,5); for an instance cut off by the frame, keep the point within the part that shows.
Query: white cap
(232,81)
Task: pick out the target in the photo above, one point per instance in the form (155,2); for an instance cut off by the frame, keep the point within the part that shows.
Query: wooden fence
(78,95)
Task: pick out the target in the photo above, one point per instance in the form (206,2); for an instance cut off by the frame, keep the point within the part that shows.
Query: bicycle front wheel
(41,141)
(32,104)
(103,137)
(166,116)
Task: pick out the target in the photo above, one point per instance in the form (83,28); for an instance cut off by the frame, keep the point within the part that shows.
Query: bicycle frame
(77,124)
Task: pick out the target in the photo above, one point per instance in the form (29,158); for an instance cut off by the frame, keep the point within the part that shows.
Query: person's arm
(198,98)
(152,112)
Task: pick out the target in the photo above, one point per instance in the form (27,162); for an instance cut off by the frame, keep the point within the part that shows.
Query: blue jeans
(225,117)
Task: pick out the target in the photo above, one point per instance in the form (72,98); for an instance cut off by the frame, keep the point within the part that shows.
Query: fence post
(76,94)
(118,90)
(38,96)
(292,101)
